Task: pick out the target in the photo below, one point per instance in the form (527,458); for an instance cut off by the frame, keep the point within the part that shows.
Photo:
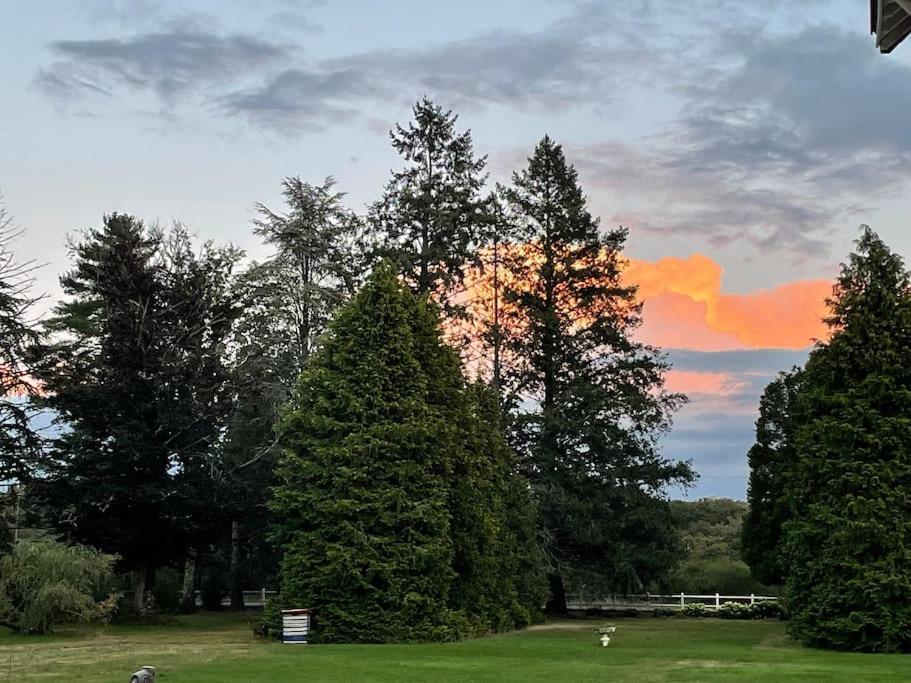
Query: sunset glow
(685,307)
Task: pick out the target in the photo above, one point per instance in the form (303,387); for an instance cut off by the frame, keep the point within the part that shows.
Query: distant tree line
(432,417)
(710,531)
(830,472)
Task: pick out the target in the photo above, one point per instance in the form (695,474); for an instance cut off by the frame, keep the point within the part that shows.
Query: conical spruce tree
(848,544)
(401,512)
(363,503)
(500,580)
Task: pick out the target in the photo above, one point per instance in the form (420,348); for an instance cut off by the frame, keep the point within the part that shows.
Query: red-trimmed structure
(890,21)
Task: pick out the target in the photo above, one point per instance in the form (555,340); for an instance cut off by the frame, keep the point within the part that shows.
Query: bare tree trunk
(556,605)
(139,587)
(236,589)
(189,581)
(496,319)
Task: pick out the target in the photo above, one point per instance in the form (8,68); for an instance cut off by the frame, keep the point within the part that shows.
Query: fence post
(682,601)
(752,598)
(264,597)
(717,601)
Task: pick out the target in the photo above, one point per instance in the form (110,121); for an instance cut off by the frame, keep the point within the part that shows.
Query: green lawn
(210,647)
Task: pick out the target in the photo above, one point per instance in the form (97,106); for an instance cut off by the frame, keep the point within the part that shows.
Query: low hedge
(734,610)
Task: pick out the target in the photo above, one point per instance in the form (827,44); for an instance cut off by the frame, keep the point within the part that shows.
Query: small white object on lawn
(605,638)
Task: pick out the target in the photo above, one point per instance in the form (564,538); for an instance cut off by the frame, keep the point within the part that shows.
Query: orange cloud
(709,383)
(684,307)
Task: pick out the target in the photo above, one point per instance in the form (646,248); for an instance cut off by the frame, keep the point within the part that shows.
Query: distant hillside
(710,530)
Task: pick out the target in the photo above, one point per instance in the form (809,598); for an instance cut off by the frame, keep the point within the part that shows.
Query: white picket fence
(252,598)
(645,601)
(649,601)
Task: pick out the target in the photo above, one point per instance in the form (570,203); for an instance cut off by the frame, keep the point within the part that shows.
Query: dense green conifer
(591,397)
(848,543)
(770,459)
(399,513)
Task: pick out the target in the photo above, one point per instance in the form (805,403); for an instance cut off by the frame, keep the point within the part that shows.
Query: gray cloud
(773,150)
(762,361)
(778,136)
(575,60)
(298,100)
(169,63)
(717,447)
(589,57)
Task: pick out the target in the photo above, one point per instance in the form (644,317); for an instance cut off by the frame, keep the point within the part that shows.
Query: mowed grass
(220,647)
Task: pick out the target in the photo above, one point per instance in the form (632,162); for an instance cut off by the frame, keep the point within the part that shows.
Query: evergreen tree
(315,267)
(770,460)
(848,544)
(499,566)
(133,371)
(363,503)
(429,218)
(19,444)
(595,397)
(287,303)
(399,501)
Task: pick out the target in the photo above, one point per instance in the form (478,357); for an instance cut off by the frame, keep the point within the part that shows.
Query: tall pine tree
(594,396)
(19,444)
(848,543)
(287,302)
(133,369)
(429,219)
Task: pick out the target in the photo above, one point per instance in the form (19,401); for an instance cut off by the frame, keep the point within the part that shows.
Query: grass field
(220,647)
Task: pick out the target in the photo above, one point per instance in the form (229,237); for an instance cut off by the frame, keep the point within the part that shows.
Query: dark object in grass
(145,675)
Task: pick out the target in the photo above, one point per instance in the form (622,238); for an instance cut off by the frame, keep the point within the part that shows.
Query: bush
(43,583)
(695,609)
(734,610)
(766,610)
(722,575)
(272,618)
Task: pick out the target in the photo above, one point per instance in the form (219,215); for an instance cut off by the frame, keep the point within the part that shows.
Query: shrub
(43,583)
(272,618)
(734,610)
(722,575)
(766,610)
(695,609)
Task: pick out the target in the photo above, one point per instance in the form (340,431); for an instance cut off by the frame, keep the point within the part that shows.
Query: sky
(741,143)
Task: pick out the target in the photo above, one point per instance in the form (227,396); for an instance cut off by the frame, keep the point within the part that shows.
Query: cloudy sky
(741,142)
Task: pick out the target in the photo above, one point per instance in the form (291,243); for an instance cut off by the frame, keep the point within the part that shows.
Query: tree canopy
(771,459)
(133,368)
(432,212)
(594,395)
(387,522)
(848,541)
